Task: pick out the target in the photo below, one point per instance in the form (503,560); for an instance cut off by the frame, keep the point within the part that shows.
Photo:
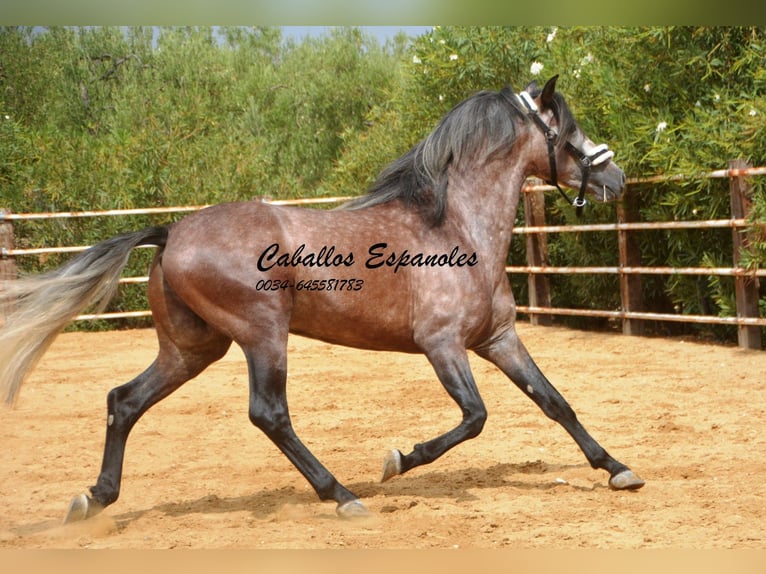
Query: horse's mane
(476,129)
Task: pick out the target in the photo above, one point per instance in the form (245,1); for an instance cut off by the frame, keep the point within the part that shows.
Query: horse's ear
(546,98)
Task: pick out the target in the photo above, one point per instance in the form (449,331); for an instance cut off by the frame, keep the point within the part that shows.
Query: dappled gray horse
(416,265)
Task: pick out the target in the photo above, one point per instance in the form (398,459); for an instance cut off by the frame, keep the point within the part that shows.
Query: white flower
(416,60)
(453,57)
(535,68)
(7,117)
(441,98)
(752,113)
(647,88)
(586,59)
(716,97)
(552,35)
(661,127)
(576,73)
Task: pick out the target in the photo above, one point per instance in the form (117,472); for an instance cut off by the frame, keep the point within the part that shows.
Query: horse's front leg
(510,355)
(454,372)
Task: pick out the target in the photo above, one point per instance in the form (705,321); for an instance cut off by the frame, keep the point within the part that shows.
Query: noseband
(600,154)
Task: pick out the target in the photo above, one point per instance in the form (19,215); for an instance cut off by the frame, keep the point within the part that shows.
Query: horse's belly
(352,319)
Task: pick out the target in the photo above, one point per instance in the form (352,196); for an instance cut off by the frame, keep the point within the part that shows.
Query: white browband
(527,101)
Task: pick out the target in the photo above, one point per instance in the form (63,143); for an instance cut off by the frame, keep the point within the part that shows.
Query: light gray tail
(41,306)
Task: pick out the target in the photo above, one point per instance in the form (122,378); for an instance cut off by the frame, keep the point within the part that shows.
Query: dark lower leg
(429,451)
(125,405)
(269,412)
(324,483)
(513,359)
(453,370)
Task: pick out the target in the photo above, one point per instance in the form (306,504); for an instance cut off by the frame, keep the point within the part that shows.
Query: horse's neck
(485,201)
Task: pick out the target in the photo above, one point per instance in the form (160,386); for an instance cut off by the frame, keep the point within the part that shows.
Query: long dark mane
(475,130)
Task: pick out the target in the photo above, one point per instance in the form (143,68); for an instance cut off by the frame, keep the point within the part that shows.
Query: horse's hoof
(626,480)
(81,508)
(392,465)
(352,509)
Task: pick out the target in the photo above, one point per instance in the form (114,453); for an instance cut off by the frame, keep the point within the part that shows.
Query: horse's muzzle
(607,184)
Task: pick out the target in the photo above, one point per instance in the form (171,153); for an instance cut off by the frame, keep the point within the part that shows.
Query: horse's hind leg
(186,346)
(510,355)
(125,405)
(267,365)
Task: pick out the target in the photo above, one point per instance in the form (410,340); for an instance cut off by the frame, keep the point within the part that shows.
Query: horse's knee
(556,408)
(273,423)
(474,421)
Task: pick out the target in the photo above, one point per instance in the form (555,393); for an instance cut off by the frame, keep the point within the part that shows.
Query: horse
(415,265)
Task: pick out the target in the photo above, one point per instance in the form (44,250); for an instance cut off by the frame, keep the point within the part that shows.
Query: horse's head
(573,159)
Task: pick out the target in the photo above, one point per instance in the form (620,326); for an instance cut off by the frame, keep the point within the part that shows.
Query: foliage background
(101,118)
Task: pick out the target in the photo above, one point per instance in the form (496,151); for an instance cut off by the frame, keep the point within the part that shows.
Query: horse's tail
(41,306)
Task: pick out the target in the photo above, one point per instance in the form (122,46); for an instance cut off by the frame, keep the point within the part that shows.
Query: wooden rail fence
(632,313)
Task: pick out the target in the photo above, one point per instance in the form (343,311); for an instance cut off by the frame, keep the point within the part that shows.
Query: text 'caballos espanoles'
(378,256)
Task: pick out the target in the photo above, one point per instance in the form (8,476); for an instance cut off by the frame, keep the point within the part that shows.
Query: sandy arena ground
(688,417)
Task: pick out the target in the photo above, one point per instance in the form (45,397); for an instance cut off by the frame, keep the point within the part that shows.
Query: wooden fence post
(631,290)
(537,256)
(745,287)
(8,269)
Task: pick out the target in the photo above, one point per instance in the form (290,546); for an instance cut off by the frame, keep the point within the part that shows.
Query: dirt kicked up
(688,417)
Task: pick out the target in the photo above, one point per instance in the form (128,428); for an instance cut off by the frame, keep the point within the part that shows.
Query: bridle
(600,154)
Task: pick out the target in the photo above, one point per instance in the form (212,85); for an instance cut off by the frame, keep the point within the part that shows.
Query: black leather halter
(600,154)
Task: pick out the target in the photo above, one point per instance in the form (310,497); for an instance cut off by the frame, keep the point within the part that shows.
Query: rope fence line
(528,188)
(718,271)
(544,229)
(703,319)
(5,216)
(638,226)
(533,228)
